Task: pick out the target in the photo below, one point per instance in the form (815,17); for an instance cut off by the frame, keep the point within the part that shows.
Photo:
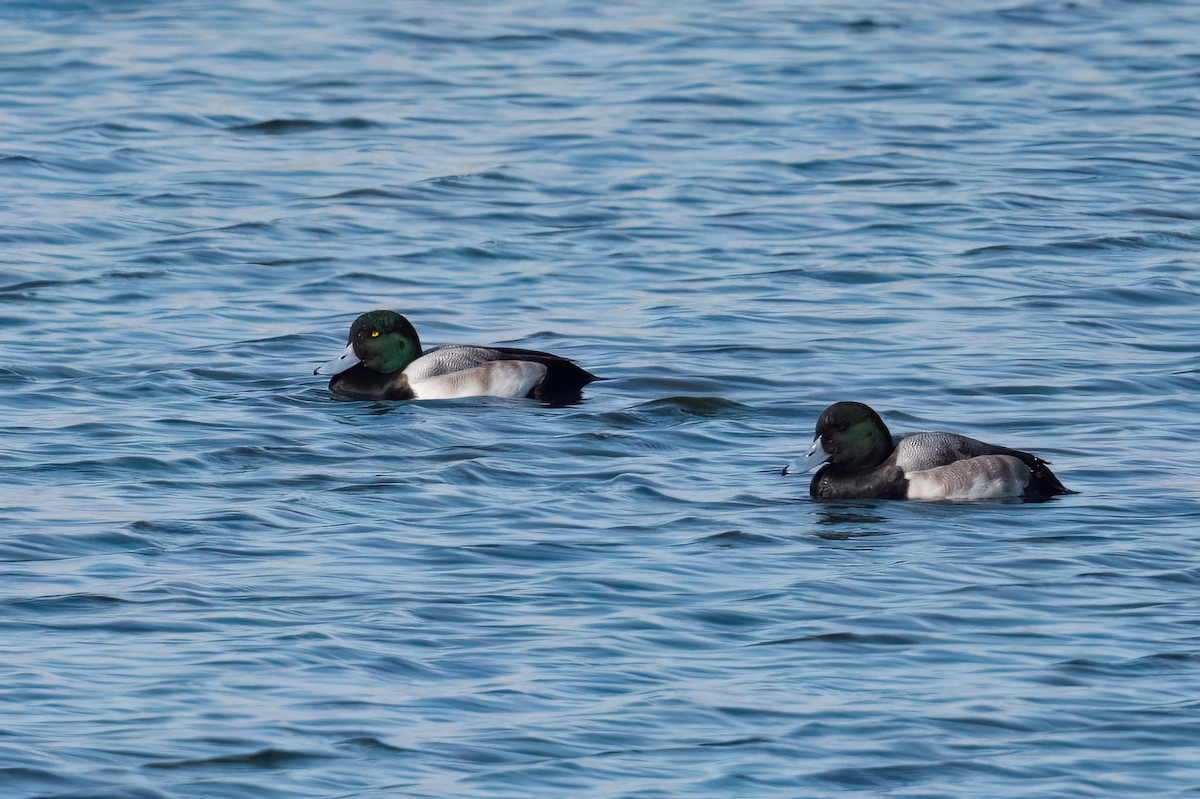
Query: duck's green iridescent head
(382,341)
(852,435)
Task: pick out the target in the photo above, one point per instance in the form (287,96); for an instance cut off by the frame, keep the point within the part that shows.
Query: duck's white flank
(491,379)
(982,477)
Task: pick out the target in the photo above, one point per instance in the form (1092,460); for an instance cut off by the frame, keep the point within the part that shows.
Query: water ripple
(737,215)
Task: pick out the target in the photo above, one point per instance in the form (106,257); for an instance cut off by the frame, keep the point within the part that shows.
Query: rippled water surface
(216,580)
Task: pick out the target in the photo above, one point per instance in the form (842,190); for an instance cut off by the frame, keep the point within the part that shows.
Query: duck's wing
(919,451)
(931,453)
(496,372)
(446,360)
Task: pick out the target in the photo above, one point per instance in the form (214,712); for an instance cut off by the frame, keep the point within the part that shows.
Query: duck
(859,458)
(383,360)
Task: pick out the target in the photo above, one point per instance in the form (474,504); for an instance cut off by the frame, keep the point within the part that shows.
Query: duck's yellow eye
(374,334)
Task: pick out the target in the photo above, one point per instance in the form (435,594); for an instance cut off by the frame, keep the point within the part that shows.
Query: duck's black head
(384,341)
(853,436)
(381,341)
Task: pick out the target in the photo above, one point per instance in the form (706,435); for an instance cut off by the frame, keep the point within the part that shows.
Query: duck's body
(383,360)
(861,459)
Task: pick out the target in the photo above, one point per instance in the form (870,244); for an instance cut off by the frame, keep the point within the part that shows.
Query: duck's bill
(816,457)
(339,364)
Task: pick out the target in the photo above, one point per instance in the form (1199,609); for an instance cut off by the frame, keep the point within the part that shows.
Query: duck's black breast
(883,482)
(359,382)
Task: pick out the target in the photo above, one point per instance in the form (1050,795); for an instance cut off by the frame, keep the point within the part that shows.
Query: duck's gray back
(450,358)
(919,451)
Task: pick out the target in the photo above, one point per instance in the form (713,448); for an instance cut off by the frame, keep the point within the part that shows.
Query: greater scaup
(383,360)
(860,458)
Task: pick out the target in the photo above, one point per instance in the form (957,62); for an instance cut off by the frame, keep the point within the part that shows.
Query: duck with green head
(383,360)
(859,458)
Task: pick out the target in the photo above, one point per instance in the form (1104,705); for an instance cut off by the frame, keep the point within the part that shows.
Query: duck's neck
(864,444)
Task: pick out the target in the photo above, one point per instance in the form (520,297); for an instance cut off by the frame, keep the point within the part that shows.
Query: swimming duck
(861,459)
(383,360)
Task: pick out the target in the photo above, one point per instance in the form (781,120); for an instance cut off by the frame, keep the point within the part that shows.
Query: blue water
(216,580)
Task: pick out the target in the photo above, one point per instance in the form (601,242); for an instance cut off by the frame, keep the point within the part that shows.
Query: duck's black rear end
(564,378)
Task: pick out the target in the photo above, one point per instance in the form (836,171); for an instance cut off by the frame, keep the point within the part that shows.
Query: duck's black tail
(1043,483)
(563,383)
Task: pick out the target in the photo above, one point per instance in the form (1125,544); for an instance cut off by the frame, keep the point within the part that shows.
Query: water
(218,581)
